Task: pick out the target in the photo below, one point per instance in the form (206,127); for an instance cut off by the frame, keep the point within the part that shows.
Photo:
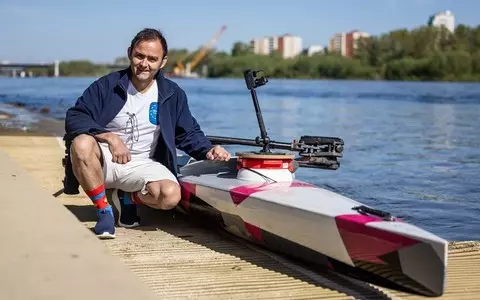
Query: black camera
(253,80)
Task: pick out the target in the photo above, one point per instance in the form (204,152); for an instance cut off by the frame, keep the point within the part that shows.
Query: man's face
(146,58)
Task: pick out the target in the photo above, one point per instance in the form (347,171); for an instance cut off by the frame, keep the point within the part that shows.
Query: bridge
(18,69)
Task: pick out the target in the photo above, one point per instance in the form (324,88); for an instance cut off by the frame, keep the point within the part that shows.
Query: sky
(35,31)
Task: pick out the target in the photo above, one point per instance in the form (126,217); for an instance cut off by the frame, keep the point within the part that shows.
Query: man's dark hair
(149,34)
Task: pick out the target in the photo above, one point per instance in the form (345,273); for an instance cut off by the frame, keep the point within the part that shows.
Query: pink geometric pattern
(188,190)
(366,243)
(240,193)
(255,231)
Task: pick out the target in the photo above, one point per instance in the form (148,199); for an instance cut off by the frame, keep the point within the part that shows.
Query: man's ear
(164,62)
(129,52)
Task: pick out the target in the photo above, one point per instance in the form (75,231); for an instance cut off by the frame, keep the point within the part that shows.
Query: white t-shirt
(137,122)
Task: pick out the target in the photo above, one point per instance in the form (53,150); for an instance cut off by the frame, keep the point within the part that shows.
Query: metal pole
(56,68)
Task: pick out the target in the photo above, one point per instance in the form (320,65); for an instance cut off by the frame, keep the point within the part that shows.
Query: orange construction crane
(206,48)
(180,67)
(203,51)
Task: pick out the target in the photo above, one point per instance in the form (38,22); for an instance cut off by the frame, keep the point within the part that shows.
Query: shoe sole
(106,236)
(136,224)
(116,202)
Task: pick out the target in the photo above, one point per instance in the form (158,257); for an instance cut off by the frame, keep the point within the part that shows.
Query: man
(124,131)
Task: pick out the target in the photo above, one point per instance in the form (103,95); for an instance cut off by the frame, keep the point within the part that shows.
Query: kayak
(256,196)
(313,224)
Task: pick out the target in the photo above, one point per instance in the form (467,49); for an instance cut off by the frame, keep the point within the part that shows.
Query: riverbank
(5,116)
(18,120)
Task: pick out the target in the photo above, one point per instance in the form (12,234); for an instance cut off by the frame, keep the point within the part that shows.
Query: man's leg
(162,194)
(127,208)
(152,184)
(86,160)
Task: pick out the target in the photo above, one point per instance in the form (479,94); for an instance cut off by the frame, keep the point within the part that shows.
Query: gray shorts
(134,175)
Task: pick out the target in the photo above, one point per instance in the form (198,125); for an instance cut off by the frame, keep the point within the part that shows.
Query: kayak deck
(179,259)
(313,224)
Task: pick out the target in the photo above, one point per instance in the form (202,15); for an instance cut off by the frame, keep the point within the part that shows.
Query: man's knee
(84,148)
(168,194)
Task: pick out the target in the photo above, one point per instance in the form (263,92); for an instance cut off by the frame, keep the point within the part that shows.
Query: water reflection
(444,121)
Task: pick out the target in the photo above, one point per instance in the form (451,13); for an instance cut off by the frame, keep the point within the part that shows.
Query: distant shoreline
(425,53)
(471,80)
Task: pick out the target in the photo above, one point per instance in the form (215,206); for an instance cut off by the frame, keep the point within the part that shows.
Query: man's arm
(81,118)
(188,135)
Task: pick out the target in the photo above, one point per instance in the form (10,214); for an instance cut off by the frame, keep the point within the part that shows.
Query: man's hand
(120,152)
(218,153)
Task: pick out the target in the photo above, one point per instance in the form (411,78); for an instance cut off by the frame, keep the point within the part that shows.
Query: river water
(411,148)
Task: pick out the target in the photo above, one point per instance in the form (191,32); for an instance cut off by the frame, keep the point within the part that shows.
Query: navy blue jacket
(105,97)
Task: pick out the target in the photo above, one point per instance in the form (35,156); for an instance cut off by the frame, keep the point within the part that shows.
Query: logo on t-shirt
(153,113)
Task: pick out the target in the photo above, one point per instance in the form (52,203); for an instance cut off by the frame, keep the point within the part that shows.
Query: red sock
(97,195)
(135,198)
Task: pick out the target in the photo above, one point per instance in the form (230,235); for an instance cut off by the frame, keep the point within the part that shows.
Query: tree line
(424,53)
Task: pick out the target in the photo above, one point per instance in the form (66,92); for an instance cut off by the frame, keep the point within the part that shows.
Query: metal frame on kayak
(256,196)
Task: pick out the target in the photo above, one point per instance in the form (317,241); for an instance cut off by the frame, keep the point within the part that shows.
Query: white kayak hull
(317,226)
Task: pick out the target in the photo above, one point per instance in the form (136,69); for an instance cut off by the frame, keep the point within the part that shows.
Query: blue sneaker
(105,227)
(127,210)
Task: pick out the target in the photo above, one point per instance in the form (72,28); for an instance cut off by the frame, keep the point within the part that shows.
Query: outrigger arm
(314,151)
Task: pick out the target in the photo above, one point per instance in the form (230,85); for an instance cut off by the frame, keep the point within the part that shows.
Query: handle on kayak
(365,210)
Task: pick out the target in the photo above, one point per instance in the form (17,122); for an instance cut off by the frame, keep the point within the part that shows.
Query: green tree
(240,49)
(123,61)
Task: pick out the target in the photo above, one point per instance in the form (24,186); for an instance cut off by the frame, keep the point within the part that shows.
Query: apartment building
(444,18)
(346,43)
(338,43)
(351,40)
(265,45)
(287,45)
(314,49)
